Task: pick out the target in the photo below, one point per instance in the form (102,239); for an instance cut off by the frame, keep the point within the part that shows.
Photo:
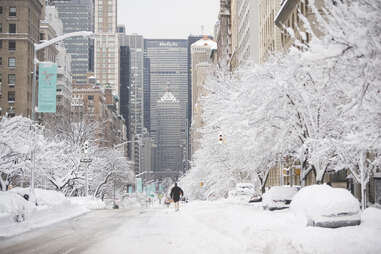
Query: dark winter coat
(176,192)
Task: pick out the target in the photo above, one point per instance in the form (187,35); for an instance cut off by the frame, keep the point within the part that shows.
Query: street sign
(139,185)
(47,88)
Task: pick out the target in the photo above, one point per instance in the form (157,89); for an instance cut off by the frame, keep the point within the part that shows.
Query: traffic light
(220,138)
(85,147)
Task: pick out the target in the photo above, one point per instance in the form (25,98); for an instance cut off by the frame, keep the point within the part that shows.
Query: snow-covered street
(199,227)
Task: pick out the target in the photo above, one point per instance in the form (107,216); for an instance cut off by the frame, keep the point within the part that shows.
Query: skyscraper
(135,43)
(147,90)
(77,15)
(169,135)
(106,48)
(168,70)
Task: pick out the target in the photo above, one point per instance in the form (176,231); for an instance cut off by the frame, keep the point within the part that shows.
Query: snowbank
(88,202)
(44,197)
(323,203)
(18,215)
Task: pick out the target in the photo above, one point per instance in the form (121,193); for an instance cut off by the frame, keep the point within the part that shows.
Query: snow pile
(130,202)
(316,200)
(88,202)
(18,215)
(278,193)
(44,197)
(12,203)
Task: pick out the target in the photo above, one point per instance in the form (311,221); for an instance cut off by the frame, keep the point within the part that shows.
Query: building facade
(77,15)
(288,17)
(169,135)
(19,30)
(106,48)
(135,43)
(201,67)
(168,69)
(93,104)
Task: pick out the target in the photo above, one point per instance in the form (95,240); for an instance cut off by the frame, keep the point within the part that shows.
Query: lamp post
(37,47)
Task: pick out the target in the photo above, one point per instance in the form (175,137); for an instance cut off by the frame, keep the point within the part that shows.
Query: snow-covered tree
(17,139)
(320,107)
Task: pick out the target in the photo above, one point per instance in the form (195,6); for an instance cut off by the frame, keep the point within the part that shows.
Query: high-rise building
(147,90)
(168,69)
(52,26)
(201,67)
(135,43)
(125,70)
(19,30)
(169,135)
(106,49)
(77,15)
(191,39)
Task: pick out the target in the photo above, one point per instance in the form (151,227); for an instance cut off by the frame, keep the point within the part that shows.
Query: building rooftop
(205,42)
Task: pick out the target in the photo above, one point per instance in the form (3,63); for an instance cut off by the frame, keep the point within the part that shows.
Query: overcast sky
(168,19)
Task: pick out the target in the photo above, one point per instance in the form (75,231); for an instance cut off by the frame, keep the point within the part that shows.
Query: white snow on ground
(88,202)
(229,227)
(52,207)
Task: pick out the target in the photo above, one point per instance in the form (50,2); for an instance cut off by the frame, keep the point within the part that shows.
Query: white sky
(168,19)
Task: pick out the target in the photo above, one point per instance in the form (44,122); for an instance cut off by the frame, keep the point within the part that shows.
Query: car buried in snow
(242,192)
(325,206)
(279,197)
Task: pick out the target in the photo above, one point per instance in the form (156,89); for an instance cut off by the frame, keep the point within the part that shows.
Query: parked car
(279,197)
(255,198)
(324,206)
(242,191)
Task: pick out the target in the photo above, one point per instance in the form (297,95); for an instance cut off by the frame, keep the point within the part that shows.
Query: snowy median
(17,215)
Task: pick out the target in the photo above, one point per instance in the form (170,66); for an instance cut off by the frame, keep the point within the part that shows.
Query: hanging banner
(47,87)
(129,189)
(139,185)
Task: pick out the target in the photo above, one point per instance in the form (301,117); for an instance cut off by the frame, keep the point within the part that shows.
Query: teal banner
(47,87)
(129,189)
(139,185)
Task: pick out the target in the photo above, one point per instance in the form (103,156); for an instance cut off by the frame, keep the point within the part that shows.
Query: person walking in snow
(176,194)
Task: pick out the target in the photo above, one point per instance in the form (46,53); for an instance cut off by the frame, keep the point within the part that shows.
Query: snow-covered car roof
(317,200)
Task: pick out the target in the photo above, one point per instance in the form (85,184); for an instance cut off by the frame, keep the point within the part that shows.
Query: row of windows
(12,11)
(11,45)
(11,28)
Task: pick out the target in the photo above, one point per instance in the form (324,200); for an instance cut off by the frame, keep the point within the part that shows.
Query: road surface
(71,236)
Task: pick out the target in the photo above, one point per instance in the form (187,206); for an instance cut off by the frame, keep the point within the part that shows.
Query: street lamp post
(37,47)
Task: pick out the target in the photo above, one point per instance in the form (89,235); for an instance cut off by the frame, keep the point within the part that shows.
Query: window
(90,97)
(1,44)
(12,62)
(1,60)
(11,96)
(11,45)
(1,28)
(12,28)
(1,9)
(12,11)
(41,36)
(11,79)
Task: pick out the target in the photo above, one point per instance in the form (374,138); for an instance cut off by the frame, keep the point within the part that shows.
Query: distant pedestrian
(176,194)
